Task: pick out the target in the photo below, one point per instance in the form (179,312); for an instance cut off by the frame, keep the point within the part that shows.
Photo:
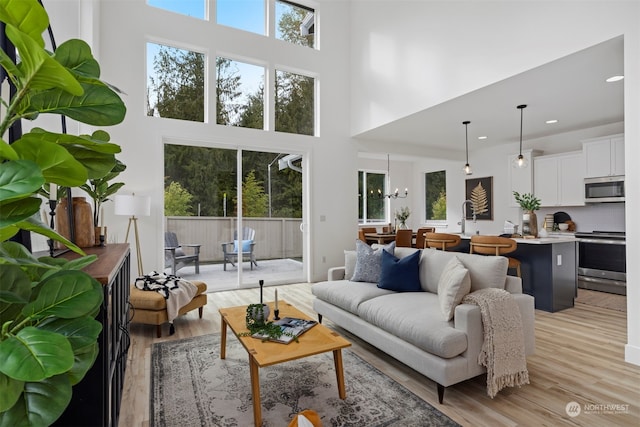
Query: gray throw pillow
(369,262)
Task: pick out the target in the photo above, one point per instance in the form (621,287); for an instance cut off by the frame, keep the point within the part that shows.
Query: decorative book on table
(292,328)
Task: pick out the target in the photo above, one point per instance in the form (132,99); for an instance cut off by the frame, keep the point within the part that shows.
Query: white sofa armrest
(513,285)
(336,273)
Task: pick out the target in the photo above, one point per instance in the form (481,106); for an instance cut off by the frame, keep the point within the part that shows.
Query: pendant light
(521,161)
(467,168)
(396,194)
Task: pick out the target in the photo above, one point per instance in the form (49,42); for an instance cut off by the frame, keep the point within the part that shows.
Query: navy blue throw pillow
(401,275)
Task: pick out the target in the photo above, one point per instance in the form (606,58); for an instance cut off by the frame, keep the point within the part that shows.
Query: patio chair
(245,245)
(174,255)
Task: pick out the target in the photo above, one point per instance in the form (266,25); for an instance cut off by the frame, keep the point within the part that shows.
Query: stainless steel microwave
(606,189)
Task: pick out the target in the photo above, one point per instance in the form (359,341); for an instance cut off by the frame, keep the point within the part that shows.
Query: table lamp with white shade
(133,206)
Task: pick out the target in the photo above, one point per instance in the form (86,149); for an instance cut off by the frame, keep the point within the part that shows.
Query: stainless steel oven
(602,264)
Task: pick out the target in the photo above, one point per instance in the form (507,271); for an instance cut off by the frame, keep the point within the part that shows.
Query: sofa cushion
(485,271)
(349,263)
(416,318)
(453,285)
(369,262)
(400,275)
(346,294)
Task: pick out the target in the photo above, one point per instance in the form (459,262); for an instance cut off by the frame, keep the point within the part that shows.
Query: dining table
(383,238)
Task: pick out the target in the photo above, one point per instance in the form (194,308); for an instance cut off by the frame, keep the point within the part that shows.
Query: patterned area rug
(191,385)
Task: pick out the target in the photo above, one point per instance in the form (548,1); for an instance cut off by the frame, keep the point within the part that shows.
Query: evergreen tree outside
(439,208)
(178,85)
(436,195)
(208,174)
(254,200)
(288,26)
(177,201)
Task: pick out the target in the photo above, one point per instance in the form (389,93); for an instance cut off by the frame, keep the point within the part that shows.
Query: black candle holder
(101,239)
(261,282)
(276,314)
(52,214)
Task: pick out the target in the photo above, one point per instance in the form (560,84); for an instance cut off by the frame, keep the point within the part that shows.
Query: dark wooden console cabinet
(96,399)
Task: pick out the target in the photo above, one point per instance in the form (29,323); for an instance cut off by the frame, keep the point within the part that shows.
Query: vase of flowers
(529,204)
(402,215)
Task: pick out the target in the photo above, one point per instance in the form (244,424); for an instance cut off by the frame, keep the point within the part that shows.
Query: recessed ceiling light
(614,79)
(552,121)
(482,137)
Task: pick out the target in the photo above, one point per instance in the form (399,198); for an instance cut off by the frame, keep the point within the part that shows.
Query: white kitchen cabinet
(604,156)
(520,179)
(558,180)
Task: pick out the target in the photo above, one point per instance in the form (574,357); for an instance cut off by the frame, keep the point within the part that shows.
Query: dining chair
(495,245)
(364,230)
(404,237)
(441,241)
(420,238)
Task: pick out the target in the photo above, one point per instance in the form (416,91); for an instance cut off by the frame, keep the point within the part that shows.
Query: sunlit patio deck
(273,272)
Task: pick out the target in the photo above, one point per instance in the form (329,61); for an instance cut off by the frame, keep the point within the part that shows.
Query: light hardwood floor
(579,357)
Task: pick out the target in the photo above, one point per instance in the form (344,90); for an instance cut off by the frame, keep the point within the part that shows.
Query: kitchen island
(548,268)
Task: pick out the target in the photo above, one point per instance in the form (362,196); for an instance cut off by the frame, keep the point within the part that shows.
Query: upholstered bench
(150,307)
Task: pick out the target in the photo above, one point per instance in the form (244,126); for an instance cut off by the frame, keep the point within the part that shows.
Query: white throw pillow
(453,285)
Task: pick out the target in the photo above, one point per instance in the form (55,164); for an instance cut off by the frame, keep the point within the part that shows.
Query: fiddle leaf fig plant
(48,331)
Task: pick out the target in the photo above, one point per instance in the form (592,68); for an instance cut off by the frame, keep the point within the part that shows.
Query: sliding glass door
(243,207)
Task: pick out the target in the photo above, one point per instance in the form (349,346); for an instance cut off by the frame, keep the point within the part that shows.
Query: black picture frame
(486,190)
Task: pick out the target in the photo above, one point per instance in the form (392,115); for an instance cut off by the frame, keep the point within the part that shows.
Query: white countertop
(547,240)
(555,237)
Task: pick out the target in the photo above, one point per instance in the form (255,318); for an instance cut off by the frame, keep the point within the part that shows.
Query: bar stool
(404,238)
(495,245)
(420,242)
(441,241)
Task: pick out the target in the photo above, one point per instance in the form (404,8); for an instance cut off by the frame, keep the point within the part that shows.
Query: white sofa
(410,326)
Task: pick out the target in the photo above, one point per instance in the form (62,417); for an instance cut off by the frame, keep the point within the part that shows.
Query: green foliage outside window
(254,200)
(178,86)
(177,201)
(436,195)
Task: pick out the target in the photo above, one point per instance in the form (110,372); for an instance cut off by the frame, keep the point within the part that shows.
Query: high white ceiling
(571,90)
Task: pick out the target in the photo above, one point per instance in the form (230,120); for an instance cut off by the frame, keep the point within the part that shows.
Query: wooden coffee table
(316,340)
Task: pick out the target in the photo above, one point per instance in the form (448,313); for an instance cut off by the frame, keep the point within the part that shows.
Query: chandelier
(396,194)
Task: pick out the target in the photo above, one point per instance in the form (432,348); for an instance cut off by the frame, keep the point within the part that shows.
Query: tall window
(295,23)
(371,207)
(239,94)
(435,184)
(175,83)
(294,103)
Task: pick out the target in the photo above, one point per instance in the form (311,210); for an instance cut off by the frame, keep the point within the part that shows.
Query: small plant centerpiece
(257,321)
(402,215)
(529,204)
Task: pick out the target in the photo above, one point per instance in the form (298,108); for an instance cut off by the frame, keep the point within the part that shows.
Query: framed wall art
(480,192)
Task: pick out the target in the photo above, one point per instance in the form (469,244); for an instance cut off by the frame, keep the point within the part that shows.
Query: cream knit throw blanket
(503,348)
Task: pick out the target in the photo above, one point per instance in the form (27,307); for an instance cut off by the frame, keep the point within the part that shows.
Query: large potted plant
(48,334)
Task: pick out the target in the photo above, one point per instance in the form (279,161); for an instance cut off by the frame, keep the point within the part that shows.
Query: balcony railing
(275,237)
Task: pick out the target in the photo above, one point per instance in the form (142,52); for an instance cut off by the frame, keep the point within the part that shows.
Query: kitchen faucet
(464,214)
